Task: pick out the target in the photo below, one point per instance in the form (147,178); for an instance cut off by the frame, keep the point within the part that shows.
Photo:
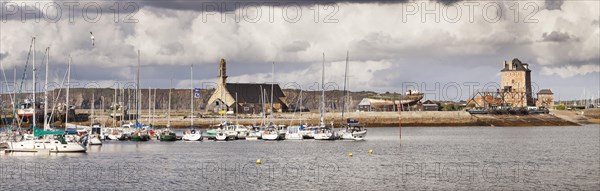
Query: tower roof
(515,65)
(545,91)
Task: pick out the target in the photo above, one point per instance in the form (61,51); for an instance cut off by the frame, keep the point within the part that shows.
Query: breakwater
(369,119)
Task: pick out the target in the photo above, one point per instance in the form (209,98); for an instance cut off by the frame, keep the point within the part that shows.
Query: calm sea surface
(441,158)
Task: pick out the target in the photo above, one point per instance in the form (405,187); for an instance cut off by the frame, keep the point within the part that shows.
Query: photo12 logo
(53,12)
(254,12)
(491,12)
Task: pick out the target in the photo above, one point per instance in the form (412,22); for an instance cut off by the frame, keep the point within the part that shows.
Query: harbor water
(432,158)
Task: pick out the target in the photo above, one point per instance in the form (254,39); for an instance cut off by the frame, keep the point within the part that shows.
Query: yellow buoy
(257,161)
(350,155)
(370,151)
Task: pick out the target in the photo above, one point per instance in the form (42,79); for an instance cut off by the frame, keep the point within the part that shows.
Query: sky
(446,49)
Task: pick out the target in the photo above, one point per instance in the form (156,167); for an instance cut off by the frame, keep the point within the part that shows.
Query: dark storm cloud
(557,36)
(553,4)
(230,5)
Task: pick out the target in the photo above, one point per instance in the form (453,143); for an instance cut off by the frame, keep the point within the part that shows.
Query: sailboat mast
(153,107)
(322,121)
(138,93)
(114,108)
(262,104)
(149,104)
(236,109)
(68,87)
(34,86)
(300,107)
(192,95)
(272,84)
(14,94)
(345,80)
(93,106)
(46,126)
(169,106)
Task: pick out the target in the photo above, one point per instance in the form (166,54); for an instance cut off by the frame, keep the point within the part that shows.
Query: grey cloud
(557,36)
(3,55)
(553,4)
(171,49)
(296,46)
(231,5)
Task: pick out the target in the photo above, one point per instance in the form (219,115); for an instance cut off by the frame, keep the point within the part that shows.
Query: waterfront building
(545,98)
(516,83)
(250,96)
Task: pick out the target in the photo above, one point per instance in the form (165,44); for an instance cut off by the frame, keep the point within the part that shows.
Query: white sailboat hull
(326,135)
(192,137)
(293,136)
(114,136)
(95,141)
(45,145)
(356,135)
(270,136)
(221,137)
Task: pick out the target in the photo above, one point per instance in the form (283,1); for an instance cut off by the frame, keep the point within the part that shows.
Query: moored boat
(192,135)
(353,131)
(293,133)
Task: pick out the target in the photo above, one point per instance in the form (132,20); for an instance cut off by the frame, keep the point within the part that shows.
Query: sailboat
(322,132)
(240,130)
(192,134)
(273,132)
(166,134)
(353,129)
(294,132)
(140,134)
(51,141)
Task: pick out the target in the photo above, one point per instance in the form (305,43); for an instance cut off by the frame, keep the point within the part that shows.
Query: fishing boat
(138,135)
(167,135)
(96,135)
(26,109)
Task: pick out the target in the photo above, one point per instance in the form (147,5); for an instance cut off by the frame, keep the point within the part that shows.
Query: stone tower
(516,83)
(222,72)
